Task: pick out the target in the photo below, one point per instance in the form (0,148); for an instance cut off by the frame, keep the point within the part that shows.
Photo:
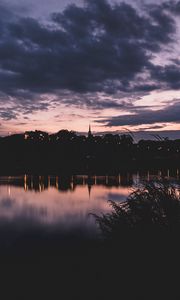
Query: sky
(69,63)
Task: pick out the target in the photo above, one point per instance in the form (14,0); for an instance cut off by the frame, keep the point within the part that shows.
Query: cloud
(151,127)
(172,6)
(7,115)
(85,50)
(169,75)
(170,113)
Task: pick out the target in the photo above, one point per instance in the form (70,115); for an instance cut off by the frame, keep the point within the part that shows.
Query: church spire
(89,132)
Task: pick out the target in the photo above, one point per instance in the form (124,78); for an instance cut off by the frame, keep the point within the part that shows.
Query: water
(64,204)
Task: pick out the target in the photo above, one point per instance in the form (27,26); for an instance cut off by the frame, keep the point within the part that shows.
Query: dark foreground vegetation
(68,152)
(152,210)
(138,257)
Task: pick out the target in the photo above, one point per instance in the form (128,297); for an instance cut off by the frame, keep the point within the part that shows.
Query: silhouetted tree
(36,136)
(126,140)
(65,149)
(64,136)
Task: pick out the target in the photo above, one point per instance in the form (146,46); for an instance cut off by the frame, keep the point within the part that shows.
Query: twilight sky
(68,63)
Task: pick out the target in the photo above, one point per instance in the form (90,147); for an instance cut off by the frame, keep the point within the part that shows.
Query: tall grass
(152,208)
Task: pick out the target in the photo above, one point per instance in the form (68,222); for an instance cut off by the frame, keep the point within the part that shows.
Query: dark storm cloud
(7,115)
(151,127)
(146,116)
(99,47)
(168,74)
(173,6)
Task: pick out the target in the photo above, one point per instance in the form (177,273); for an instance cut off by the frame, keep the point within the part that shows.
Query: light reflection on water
(66,202)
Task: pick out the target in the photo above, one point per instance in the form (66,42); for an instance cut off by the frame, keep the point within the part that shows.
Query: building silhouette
(90,135)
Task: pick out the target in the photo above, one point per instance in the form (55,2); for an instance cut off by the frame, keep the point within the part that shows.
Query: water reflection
(65,202)
(70,183)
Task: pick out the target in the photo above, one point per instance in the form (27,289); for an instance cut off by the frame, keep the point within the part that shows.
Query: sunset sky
(113,64)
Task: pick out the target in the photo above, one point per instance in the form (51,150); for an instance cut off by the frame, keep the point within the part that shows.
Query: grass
(153,208)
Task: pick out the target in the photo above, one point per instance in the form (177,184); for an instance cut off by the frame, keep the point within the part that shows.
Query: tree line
(69,151)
